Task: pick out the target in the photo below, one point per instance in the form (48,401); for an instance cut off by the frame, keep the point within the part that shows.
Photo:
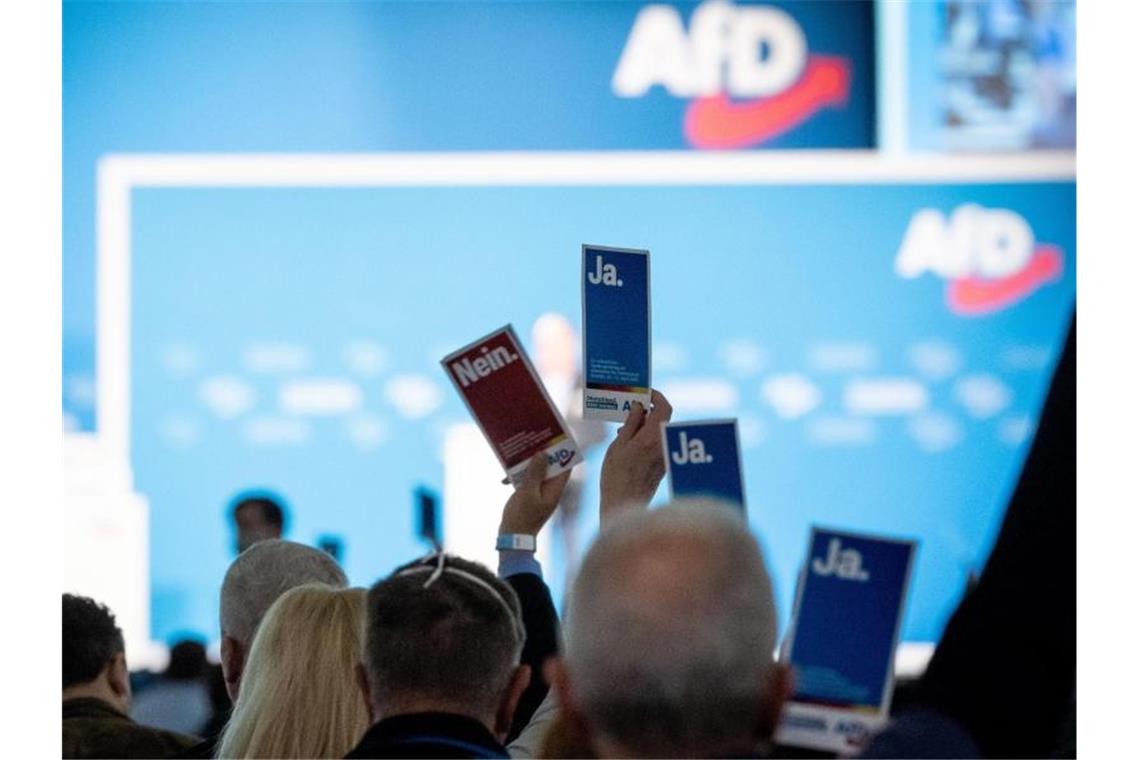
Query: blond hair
(299,695)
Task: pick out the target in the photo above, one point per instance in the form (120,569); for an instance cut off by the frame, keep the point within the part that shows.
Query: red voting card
(496,380)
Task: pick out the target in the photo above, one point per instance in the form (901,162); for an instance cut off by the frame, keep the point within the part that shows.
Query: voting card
(703,460)
(501,389)
(842,640)
(615,331)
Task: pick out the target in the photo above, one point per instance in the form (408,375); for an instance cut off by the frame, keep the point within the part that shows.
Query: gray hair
(443,631)
(671,630)
(265,571)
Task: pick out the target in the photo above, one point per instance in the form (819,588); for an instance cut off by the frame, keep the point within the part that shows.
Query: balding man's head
(670,635)
(254,581)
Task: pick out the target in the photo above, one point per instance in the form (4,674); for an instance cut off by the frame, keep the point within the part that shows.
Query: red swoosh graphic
(973,296)
(717,122)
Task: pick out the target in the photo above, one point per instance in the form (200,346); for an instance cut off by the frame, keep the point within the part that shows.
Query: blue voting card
(615,331)
(844,631)
(703,460)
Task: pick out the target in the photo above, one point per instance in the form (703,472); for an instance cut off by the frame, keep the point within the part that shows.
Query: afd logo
(845,564)
(692,451)
(747,70)
(988,257)
(854,732)
(559,456)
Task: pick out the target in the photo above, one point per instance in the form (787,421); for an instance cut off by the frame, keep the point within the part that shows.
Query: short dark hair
(187,660)
(271,505)
(455,641)
(91,639)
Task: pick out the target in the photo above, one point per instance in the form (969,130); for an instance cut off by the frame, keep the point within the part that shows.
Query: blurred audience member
(220,710)
(178,700)
(670,638)
(253,583)
(97,692)
(257,516)
(299,697)
(441,671)
(564,739)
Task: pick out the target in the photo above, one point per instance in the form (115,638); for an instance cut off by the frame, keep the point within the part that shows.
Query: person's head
(299,696)
(187,661)
(94,663)
(670,637)
(257,516)
(445,640)
(253,583)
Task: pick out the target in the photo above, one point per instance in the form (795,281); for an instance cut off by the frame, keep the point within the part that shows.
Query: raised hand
(535,500)
(635,462)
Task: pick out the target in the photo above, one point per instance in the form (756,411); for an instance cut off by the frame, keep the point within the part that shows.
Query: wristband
(515,541)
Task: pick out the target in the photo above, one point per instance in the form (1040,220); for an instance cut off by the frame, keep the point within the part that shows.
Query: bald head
(254,581)
(670,634)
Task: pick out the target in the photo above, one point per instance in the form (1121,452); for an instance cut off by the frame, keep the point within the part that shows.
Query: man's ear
(365,691)
(505,714)
(233,663)
(555,671)
(778,690)
(119,680)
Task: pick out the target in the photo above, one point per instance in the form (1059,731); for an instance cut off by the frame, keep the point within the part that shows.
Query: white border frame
(119,174)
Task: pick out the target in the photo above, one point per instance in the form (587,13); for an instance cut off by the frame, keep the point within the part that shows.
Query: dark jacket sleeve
(541,622)
(1005,667)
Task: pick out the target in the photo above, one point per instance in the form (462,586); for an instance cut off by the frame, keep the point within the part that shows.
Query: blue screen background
(749,282)
(216,270)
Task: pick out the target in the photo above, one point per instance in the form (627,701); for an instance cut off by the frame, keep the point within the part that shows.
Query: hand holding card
(534,501)
(633,466)
(502,391)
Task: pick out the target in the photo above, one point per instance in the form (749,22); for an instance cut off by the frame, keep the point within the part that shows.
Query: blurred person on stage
(257,516)
(557,347)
